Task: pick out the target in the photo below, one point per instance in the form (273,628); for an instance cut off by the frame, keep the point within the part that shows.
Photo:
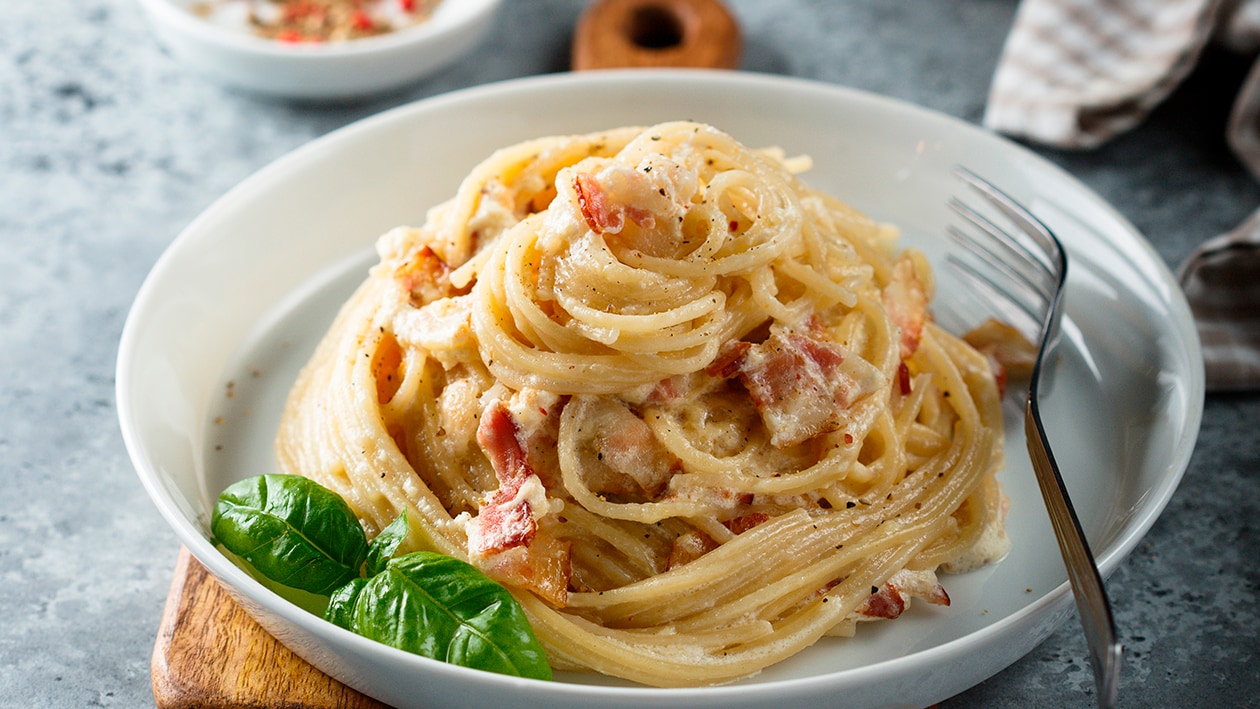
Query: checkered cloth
(1075,73)
(1221,280)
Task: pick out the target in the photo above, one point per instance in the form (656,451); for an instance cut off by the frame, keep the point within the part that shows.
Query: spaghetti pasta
(693,413)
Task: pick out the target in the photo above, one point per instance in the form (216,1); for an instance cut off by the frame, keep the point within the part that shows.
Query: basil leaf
(385,544)
(341,605)
(292,530)
(313,603)
(446,609)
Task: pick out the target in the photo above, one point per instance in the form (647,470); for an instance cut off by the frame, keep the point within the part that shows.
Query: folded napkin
(1075,73)
(1221,280)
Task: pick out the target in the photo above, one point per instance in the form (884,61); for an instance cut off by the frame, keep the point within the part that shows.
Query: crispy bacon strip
(505,520)
(505,538)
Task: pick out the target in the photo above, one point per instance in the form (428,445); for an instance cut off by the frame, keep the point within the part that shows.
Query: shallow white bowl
(244,293)
(326,71)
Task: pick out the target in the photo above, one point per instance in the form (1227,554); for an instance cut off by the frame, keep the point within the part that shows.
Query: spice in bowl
(316,20)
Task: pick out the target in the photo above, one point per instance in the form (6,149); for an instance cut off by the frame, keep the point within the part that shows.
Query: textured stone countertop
(108,148)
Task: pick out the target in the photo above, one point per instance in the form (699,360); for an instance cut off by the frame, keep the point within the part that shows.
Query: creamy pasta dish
(693,413)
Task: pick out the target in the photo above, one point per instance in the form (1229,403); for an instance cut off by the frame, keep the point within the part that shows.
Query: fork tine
(1000,262)
(1050,252)
(1009,307)
(1002,251)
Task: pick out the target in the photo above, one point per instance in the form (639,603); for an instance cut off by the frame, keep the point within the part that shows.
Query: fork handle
(1087,586)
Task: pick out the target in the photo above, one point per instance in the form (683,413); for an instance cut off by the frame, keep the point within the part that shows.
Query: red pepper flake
(734,225)
(408,5)
(288,36)
(361,21)
(903,378)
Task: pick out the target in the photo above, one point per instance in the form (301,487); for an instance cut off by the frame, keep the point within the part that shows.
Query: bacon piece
(743,523)
(603,214)
(505,539)
(903,378)
(538,412)
(893,598)
(1011,355)
(688,547)
(426,277)
(387,369)
(623,455)
(680,387)
(543,567)
(668,390)
(729,360)
(506,519)
(797,384)
(906,299)
(886,602)
(629,447)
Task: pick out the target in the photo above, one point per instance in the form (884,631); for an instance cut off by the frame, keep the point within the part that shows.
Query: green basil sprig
(303,535)
(292,530)
(440,607)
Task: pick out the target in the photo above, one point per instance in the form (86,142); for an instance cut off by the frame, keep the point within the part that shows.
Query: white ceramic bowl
(245,292)
(327,71)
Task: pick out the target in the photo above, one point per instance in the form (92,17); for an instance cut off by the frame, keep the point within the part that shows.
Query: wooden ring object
(656,33)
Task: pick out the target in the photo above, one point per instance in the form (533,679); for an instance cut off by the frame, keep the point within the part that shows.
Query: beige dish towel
(1075,73)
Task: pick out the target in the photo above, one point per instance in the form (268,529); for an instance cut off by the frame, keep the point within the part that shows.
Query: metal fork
(1028,270)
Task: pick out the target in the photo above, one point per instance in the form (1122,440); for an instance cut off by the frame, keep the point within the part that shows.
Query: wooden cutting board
(211,654)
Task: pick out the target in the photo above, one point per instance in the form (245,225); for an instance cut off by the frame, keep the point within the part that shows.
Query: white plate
(234,307)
